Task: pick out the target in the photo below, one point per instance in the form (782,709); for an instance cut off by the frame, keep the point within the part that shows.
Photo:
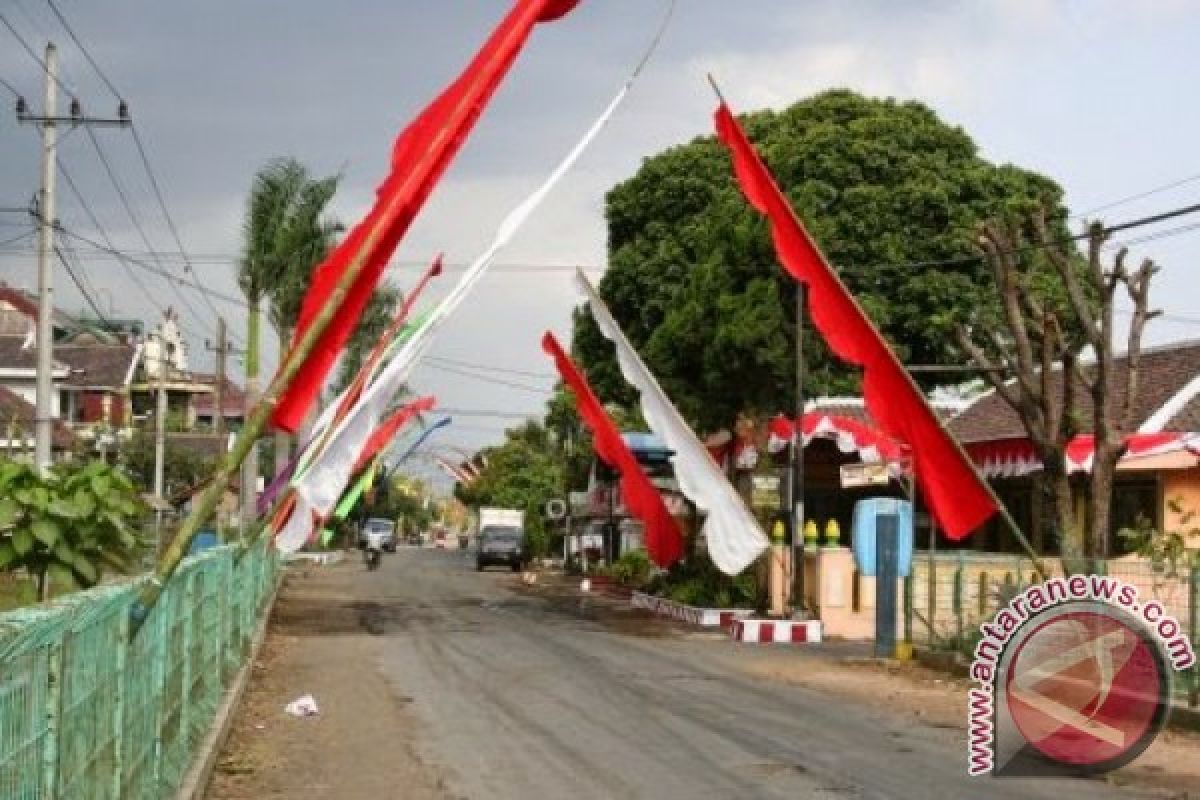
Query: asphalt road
(521,697)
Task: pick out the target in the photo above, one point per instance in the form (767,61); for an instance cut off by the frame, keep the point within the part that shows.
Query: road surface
(523,697)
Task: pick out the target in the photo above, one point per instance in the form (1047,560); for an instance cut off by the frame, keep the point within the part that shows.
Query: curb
(702,617)
(194,785)
(769,631)
(317,559)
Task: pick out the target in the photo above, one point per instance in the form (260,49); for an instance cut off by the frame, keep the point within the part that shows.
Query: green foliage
(70,523)
(524,472)
(1167,551)
(634,568)
(693,278)
(183,467)
(697,582)
(286,234)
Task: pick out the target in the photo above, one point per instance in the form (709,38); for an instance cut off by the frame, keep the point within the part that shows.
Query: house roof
(26,304)
(1168,398)
(13,407)
(233,403)
(14,354)
(97,365)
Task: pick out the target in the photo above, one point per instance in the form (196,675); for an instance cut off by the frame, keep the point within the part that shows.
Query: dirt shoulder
(318,644)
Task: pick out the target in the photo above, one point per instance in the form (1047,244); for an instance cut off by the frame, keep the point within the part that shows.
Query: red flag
(956,494)
(382,436)
(419,158)
(663,540)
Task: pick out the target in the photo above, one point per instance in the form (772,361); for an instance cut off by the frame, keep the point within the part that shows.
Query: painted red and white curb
(774,631)
(701,617)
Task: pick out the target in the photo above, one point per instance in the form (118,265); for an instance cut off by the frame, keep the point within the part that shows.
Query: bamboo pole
(1001,509)
(296,356)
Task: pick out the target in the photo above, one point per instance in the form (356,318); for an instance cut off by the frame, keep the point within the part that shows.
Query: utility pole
(796,484)
(49,122)
(160,433)
(223,349)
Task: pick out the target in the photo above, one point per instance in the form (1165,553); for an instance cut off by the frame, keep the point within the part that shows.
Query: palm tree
(286,234)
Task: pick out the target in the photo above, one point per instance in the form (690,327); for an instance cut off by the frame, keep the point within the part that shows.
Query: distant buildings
(106,378)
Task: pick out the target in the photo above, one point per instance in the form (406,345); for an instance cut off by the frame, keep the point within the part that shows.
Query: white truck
(500,538)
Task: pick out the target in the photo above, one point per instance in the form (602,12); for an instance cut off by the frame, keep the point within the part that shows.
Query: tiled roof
(26,304)
(102,365)
(233,402)
(1164,372)
(13,407)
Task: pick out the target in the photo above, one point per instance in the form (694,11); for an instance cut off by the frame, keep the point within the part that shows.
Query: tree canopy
(884,187)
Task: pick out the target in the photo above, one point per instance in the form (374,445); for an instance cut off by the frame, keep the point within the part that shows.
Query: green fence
(951,593)
(87,713)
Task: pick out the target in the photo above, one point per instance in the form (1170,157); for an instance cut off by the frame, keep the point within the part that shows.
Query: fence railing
(951,594)
(85,712)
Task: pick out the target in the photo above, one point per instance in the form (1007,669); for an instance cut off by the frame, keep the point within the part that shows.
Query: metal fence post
(1194,628)
(53,712)
(118,720)
(958,598)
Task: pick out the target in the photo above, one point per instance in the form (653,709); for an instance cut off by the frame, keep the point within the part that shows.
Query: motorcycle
(373,552)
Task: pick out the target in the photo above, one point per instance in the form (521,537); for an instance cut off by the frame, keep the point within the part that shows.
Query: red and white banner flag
(732,535)
(664,543)
(956,495)
(419,158)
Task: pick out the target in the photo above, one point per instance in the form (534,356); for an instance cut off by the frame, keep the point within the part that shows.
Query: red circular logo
(1087,688)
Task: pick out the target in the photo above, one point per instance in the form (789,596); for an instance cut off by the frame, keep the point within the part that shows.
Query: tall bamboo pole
(204,507)
(1001,508)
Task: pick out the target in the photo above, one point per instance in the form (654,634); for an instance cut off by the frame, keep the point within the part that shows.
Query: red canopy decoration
(956,495)
(1010,458)
(663,540)
(419,158)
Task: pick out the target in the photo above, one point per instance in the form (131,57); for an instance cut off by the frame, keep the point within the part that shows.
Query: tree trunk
(249,493)
(283,442)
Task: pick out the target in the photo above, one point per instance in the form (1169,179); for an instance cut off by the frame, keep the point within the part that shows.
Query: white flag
(732,533)
(326,476)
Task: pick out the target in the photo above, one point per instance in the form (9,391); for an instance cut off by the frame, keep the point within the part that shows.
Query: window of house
(1133,498)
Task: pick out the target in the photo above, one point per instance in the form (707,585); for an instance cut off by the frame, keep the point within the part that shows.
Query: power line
(112,176)
(70,32)
(1140,195)
(82,289)
(91,215)
(488,379)
(29,50)
(10,87)
(17,238)
(228,298)
(489,368)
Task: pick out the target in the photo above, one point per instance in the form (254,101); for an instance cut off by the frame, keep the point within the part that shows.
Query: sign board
(855,476)
(764,492)
(556,508)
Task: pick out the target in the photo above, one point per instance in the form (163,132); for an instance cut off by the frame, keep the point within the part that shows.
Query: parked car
(386,528)
(500,545)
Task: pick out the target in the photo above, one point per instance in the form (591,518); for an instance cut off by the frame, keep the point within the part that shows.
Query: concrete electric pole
(49,122)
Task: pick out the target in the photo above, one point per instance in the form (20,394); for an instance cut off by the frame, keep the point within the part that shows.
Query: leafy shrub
(69,523)
(633,568)
(697,582)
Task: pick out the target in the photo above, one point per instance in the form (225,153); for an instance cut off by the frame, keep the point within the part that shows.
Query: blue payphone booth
(883,544)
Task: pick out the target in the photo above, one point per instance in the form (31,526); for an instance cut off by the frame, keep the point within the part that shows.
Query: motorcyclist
(373,552)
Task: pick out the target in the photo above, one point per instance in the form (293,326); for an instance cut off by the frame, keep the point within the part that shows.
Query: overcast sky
(1095,94)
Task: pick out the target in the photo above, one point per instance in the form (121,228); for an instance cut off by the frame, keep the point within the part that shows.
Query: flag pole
(1001,508)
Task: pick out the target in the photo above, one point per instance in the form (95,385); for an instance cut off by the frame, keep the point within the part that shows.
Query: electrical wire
(174,281)
(70,32)
(29,50)
(488,379)
(489,368)
(17,238)
(79,284)
(228,298)
(10,87)
(1140,195)
(91,215)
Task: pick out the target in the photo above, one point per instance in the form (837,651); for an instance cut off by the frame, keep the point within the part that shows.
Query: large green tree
(884,187)
(524,472)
